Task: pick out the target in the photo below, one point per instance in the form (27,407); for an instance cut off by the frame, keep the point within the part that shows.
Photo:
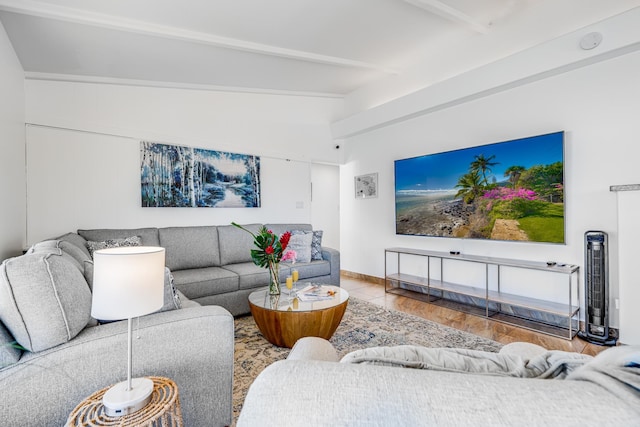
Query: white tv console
(484,299)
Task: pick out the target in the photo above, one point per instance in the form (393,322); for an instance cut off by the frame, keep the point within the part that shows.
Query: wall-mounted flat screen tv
(512,190)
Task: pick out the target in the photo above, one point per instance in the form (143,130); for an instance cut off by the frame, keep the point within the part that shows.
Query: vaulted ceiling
(316,47)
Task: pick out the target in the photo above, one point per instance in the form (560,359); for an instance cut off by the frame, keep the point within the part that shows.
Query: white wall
(294,127)
(628,208)
(325,203)
(12,177)
(83,152)
(596,106)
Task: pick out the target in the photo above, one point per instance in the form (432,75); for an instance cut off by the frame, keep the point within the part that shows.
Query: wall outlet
(617,303)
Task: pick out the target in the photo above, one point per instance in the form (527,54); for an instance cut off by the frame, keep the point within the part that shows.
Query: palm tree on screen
(483,165)
(514,173)
(470,186)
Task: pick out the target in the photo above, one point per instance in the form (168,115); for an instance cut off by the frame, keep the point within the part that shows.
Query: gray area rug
(364,325)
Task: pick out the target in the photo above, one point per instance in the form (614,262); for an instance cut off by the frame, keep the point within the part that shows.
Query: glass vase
(274,278)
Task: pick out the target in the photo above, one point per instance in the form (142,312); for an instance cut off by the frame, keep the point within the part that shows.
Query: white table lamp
(127,282)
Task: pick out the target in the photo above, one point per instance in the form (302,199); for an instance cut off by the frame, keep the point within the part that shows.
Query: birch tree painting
(178,176)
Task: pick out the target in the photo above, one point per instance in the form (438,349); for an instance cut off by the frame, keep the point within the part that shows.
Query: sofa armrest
(333,256)
(192,346)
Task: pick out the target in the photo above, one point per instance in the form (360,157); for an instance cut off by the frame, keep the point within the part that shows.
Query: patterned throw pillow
(316,245)
(171,297)
(113,243)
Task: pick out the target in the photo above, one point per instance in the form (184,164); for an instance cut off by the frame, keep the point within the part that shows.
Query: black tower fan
(596,277)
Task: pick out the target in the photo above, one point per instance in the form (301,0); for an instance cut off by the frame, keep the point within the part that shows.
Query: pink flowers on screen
(505,193)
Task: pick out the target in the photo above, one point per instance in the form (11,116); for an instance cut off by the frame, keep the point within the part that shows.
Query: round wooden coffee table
(284,320)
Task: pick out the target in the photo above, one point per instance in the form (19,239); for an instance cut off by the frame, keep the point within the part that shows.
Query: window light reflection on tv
(512,190)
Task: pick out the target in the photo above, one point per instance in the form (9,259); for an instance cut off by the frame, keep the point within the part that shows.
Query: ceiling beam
(452,14)
(76,78)
(46,10)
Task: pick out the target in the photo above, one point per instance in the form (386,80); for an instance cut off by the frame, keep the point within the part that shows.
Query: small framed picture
(366,186)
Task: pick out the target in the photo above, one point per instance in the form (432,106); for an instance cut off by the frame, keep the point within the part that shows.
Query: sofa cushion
(76,240)
(149,236)
(252,276)
(44,300)
(236,244)
(309,270)
(190,247)
(113,243)
(300,242)
(78,254)
(9,349)
(202,282)
(88,273)
(52,246)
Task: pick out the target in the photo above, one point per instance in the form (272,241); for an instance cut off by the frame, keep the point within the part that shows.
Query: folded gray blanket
(551,364)
(617,369)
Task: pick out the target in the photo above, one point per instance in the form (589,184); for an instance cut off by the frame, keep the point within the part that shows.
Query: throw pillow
(88,273)
(76,240)
(53,246)
(316,245)
(78,254)
(88,276)
(171,297)
(301,243)
(113,243)
(44,300)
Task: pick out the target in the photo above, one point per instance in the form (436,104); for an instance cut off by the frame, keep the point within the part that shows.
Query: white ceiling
(319,47)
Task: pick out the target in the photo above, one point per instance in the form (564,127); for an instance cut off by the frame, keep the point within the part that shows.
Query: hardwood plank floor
(500,332)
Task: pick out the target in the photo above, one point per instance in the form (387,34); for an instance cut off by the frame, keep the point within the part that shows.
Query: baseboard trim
(360,276)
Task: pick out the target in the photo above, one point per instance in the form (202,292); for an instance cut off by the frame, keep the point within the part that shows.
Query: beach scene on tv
(512,190)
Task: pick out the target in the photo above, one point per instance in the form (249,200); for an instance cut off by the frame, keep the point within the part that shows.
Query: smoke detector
(591,41)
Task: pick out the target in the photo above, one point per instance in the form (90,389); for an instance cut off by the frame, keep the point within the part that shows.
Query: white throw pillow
(301,243)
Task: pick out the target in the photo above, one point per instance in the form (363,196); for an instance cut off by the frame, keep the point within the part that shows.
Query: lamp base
(119,401)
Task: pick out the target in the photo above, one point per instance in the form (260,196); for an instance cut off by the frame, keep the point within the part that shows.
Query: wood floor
(503,333)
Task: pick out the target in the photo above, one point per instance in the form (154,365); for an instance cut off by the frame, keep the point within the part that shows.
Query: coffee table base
(284,328)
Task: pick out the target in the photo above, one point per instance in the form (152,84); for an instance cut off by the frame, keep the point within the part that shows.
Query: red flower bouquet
(269,252)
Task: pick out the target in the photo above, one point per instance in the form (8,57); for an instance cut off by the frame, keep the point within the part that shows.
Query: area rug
(364,325)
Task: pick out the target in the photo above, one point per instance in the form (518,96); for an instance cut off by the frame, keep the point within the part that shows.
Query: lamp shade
(127,282)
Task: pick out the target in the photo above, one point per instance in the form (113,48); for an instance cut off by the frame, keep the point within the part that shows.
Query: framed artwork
(366,186)
(179,176)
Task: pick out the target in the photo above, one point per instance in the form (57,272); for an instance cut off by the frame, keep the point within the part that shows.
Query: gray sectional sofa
(64,356)
(523,384)
(53,354)
(212,264)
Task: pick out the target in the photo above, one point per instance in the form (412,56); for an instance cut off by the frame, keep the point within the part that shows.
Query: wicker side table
(162,410)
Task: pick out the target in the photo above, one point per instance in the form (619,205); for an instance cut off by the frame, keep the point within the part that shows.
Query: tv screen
(512,190)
